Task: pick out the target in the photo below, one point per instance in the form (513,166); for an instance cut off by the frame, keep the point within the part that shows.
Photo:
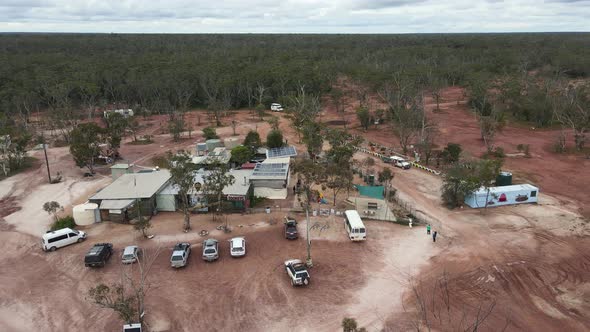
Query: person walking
(428,229)
(434,236)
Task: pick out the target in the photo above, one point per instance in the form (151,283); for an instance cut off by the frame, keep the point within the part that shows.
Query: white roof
(135,185)
(238,188)
(503,189)
(354,219)
(115,204)
(57,232)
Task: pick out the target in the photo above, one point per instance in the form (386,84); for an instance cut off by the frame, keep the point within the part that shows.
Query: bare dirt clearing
(532,259)
(254,291)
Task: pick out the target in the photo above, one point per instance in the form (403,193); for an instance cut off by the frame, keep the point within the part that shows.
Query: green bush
(209,133)
(499,152)
(65,222)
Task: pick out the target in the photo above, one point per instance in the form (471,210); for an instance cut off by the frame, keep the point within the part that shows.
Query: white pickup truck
(180,254)
(397,162)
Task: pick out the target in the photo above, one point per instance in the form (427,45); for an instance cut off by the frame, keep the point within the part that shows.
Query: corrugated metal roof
(135,185)
(115,204)
(240,187)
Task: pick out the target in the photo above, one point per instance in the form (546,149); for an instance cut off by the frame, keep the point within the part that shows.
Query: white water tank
(86,214)
(231,142)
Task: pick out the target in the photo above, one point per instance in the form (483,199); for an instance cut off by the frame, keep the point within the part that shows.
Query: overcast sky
(301,16)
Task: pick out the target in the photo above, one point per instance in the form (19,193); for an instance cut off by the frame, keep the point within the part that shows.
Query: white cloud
(297,16)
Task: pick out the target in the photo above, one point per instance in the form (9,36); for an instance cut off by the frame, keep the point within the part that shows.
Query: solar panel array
(279,169)
(285,151)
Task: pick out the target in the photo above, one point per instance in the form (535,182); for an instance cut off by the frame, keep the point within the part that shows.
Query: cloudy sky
(301,16)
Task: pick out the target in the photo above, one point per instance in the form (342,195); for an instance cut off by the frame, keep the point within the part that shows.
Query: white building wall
(499,197)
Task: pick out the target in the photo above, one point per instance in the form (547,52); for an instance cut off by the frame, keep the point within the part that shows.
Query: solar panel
(285,151)
(278,169)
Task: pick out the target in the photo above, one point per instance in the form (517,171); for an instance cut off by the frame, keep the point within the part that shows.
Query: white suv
(276,107)
(297,272)
(237,247)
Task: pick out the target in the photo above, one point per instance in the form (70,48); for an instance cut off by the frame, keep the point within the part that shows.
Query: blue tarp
(371,191)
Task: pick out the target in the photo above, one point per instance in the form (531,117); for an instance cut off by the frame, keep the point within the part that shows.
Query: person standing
(428,229)
(434,236)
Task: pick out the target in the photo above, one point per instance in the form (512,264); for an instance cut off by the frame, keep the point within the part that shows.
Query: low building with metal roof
(117,199)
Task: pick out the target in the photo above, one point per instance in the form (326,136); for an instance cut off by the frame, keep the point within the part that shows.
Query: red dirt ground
(531,259)
(564,175)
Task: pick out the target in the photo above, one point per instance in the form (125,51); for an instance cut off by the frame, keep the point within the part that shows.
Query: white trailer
(504,195)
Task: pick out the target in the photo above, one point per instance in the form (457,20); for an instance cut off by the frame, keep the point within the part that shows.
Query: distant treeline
(164,73)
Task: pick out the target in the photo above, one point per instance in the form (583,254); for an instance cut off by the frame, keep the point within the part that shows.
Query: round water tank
(231,143)
(86,214)
(504,179)
(213,143)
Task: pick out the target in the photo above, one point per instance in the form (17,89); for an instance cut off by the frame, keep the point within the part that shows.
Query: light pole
(46,161)
(308,262)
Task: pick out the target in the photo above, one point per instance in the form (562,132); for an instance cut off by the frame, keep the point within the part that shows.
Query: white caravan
(354,226)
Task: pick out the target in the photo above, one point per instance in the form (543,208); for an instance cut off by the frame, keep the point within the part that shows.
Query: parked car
(398,162)
(53,240)
(291,228)
(237,247)
(275,107)
(98,255)
(180,254)
(210,250)
(297,272)
(130,254)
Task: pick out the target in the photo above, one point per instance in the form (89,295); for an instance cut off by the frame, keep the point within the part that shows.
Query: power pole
(46,161)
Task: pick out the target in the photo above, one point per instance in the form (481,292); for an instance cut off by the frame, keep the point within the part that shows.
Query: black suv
(98,255)
(291,228)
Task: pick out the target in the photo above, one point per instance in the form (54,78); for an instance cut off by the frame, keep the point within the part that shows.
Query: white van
(354,226)
(61,238)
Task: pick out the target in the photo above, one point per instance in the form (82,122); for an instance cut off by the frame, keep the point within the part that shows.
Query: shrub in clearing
(65,222)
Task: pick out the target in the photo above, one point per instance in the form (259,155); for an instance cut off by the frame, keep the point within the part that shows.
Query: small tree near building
(364,117)
(84,147)
(182,173)
(274,139)
(241,154)
(53,208)
(217,180)
(252,140)
(209,133)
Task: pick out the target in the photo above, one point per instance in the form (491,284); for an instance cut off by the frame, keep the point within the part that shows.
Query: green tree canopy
(86,139)
(274,139)
(241,154)
(253,140)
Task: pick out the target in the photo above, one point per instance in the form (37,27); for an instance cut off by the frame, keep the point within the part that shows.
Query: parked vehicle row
(100,253)
(181,251)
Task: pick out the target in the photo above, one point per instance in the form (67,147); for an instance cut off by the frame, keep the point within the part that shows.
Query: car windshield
(362,230)
(127,256)
(209,251)
(236,249)
(301,275)
(176,258)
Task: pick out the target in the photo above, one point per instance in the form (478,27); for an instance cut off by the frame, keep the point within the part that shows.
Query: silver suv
(210,250)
